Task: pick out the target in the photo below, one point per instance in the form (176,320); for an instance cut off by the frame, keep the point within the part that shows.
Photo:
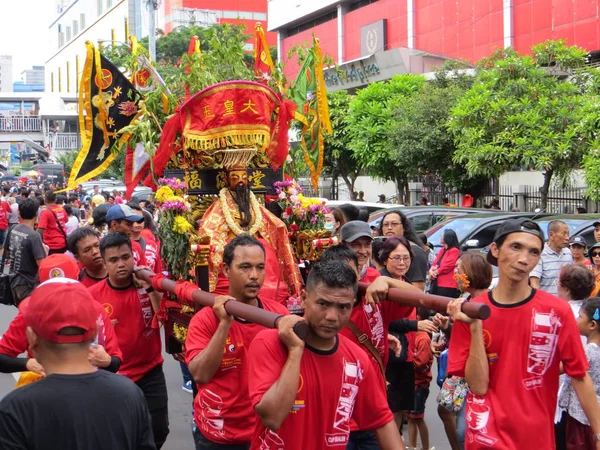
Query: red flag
(137,165)
(263,63)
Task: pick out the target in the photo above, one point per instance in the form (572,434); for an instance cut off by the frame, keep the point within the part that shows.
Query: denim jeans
(461,425)
(202,443)
(362,440)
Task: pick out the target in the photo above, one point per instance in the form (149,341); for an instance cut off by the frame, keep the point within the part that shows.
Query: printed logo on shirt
(211,407)
(478,416)
(298,404)
(271,441)
(543,341)
(378,335)
(108,308)
(351,377)
(230,359)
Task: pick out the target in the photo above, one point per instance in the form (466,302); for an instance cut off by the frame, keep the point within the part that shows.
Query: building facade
(468,30)
(6,77)
(97,21)
(208,12)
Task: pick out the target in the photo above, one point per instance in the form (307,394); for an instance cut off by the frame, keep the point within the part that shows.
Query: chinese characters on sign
(229,109)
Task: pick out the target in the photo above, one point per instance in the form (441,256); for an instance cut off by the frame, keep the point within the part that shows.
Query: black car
(424,217)
(475,231)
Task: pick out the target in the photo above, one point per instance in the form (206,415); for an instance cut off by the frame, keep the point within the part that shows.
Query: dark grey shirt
(25,248)
(418,266)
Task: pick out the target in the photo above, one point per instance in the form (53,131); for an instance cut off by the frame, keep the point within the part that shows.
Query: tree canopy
(370,117)
(522,111)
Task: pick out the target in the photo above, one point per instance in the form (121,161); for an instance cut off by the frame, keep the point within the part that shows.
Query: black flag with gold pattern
(107,103)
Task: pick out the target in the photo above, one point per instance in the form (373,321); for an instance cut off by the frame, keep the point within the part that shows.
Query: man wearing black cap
(578,248)
(512,360)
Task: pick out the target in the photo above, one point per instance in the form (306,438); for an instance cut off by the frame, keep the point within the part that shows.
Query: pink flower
(284,216)
(293,198)
(282,195)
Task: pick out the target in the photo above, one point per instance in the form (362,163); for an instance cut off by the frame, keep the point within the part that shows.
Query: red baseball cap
(61,303)
(58,265)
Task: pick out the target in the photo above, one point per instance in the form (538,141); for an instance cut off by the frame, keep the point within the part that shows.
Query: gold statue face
(237,177)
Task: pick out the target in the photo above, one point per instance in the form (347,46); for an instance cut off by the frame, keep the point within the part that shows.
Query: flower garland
(234,227)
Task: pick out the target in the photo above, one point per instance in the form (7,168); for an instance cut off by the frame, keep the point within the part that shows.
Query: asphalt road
(180,402)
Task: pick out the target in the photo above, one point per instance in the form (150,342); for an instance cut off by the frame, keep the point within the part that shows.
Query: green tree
(523,111)
(370,117)
(420,140)
(339,159)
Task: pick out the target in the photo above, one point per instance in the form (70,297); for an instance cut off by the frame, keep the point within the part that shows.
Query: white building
(6,77)
(88,20)
(35,75)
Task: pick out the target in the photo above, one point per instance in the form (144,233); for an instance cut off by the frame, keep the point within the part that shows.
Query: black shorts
(401,391)
(421,395)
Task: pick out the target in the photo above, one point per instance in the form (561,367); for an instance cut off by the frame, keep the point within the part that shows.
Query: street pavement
(180,402)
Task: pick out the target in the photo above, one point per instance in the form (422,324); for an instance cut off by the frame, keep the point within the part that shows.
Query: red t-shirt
(130,312)
(423,359)
(87,280)
(374,322)
(4,212)
(334,387)
(53,237)
(222,408)
(525,343)
(152,254)
(14,341)
(138,255)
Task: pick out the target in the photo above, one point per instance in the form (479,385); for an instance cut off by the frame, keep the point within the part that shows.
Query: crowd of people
(526,377)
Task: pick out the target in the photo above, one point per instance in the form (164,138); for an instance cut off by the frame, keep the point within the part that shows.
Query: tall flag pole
(145,79)
(107,103)
(310,95)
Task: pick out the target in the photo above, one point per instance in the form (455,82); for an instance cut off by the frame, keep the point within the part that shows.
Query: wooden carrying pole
(238,309)
(430,301)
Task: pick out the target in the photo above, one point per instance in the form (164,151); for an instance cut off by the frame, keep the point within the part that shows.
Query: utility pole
(152,6)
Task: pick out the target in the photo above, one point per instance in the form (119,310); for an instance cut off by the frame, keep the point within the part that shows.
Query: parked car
(579,225)
(475,231)
(369,206)
(424,217)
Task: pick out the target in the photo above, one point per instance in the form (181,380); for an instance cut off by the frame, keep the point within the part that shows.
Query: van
(51,172)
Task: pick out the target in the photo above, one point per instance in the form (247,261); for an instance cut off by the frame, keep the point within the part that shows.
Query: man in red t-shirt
(84,243)
(217,351)
(4,212)
(105,354)
(511,361)
(120,218)
(306,394)
(130,304)
(52,225)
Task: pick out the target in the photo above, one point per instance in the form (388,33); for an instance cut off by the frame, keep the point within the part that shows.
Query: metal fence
(20,123)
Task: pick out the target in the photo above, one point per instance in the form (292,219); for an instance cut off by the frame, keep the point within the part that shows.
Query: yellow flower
(181,226)
(163,194)
(174,198)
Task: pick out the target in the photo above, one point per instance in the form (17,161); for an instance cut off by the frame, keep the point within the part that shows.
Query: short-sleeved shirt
(335,386)
(92,411)
(14,213)
(548,269)
(14,341)
(417,271)
(50,220)
(525,344)
(87,280)
(222,409)
(374,322)
(25,248)
(5,211)
(130,312)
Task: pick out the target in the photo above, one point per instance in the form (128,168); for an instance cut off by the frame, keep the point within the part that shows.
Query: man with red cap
(75,406)
(105,352)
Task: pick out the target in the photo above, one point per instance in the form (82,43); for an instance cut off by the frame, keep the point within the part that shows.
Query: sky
(24,32)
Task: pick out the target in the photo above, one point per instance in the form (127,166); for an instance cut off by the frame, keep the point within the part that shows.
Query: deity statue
(238,211)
